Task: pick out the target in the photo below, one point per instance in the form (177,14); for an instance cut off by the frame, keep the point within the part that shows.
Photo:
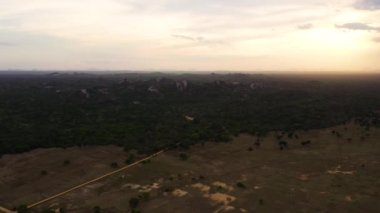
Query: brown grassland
(331,174)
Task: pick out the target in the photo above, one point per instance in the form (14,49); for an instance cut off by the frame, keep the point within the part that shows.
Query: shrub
(183,156)
(130,159)
(97,209)
(48,211)
(114,165)
(134,202)
(66,162)
(147,161)
(144,196)
(240,185)
(261,202)
(23,209)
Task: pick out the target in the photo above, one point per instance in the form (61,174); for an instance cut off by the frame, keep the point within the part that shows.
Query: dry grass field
(331,174)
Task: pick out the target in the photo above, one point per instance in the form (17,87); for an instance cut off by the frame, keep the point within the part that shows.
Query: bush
(147,161)
(114,165)
(23,209)
(130,159)
(240,185)
(134,202)
(48,211)
(144,196)
(97,209)
(261,202)
(66,162)
(183,156)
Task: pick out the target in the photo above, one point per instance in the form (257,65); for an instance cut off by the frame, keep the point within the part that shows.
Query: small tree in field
(114,165)
(97,209)
(134,202)
(130,159)
(183,156)
(23,209)
(66,162)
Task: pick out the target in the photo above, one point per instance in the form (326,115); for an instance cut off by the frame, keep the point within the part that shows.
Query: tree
(114,165)
(66,162)
(130,159)
(183,156)
(97,209)
(134,202)
(240,185)
(23,209)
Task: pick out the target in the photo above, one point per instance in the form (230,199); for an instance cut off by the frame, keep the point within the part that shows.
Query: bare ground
(330,175)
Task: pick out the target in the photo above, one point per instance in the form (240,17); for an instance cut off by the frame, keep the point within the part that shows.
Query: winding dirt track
(4,210)
(89,182)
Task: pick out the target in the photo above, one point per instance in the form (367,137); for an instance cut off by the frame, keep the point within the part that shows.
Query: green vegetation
(144,196)
(66,162)
(48,210)
(22,209)
(183,156)
(147,161)
(134,202)
(240,185)
(130,159)
(148,112)
(97,209)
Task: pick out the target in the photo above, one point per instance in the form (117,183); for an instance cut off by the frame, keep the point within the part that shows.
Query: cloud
(215,34)
(6,44)
(305,26)
(367,5)
(199,39)
(358,26)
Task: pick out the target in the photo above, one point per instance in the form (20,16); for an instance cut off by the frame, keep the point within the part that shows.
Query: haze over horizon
(195,35)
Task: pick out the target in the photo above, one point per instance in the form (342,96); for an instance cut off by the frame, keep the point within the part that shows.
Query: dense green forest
(154,110)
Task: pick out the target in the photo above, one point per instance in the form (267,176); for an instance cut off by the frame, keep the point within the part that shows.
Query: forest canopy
(150,111)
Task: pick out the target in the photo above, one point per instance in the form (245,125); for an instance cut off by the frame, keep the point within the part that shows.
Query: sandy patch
(201,187)
(303,177)
(179,193)
(337,172)
(95,185)
(148,188)
(223,185)
(225,209)
(132,186)
(229,208)
(348,198)
(221,198)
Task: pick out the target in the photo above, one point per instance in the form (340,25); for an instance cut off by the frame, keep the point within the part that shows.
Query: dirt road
(92,181)
(4,210)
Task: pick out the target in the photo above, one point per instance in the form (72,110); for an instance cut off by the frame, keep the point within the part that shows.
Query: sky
(191,35)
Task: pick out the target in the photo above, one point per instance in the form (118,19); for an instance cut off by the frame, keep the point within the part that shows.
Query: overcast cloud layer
(242,35)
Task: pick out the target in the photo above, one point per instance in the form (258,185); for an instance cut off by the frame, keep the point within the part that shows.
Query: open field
(332,174)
